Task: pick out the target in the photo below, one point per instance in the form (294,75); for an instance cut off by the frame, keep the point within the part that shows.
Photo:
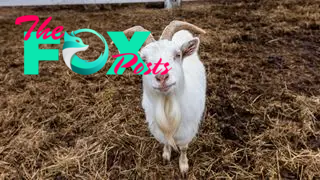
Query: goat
(174,103)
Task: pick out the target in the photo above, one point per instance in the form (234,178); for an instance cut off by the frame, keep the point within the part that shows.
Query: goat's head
(170,52)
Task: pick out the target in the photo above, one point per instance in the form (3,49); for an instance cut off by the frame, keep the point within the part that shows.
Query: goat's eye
(177,56)
(144,58)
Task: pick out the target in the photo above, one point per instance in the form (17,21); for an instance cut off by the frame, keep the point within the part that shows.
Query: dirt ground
(263,97)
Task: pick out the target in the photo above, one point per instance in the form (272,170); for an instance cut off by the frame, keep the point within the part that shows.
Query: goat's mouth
(165,88)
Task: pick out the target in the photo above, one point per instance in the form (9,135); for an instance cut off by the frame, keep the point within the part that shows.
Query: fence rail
(67,2)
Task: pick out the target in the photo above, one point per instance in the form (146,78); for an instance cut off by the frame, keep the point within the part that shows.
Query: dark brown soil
(263,99)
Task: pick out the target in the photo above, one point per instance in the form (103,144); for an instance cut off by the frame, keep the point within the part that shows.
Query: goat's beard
(168,117)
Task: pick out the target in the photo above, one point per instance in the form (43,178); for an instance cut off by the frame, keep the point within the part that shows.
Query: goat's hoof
(184,175)
(166,156)
(184,167)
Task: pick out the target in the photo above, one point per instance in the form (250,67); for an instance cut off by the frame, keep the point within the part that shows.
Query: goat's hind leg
(166,155)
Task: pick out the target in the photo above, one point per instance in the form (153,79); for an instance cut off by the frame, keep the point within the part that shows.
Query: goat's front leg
(166,155)
(183,160)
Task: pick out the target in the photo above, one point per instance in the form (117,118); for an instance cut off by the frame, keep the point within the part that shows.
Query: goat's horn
(176,26)
(129,33)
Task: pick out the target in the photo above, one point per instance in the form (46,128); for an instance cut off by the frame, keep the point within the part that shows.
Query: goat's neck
(167,114)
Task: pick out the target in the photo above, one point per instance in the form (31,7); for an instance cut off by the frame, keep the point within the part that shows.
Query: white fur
(186,101)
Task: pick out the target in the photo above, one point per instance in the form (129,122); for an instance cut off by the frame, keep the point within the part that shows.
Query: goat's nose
(162,78)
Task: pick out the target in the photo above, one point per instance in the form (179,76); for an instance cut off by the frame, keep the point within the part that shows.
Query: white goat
(174,103)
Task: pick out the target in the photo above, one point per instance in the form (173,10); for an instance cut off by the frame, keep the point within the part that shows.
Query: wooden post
(172,3)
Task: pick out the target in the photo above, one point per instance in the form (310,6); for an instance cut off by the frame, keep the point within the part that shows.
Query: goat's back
(193,98)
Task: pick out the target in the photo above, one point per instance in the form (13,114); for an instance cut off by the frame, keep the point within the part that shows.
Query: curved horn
(176,26)
(129,33)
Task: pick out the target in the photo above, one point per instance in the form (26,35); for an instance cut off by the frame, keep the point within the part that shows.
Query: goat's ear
(190,47)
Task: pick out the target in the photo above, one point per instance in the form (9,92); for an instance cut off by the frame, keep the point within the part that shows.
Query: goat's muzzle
(162,78)
(163,82)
